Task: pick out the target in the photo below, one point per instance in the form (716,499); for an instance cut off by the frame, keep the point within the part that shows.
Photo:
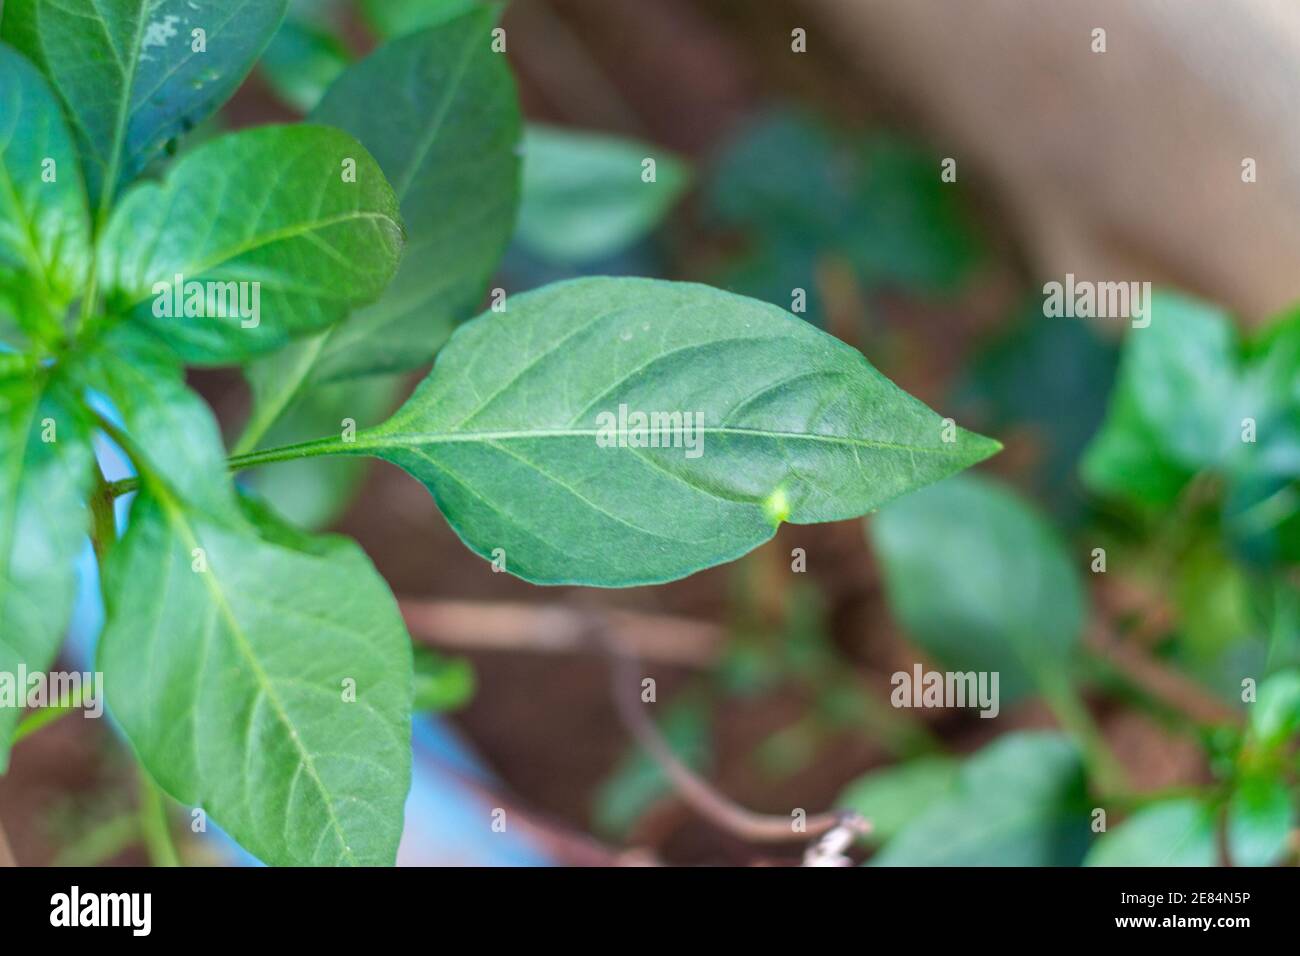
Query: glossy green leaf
(515,431)
(1261,816)
(584,196)
(1170,833)
(895,796)
(1021,801)
(44,222)
(1178,404)
(266,213)
(45,471)
(447,138)
(129,74)
(978,579)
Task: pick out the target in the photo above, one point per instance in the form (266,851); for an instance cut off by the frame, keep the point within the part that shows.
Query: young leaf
(999,593)
(447,137)
(516,433)
(268,684)
(1170,833)
(584,196)
(135,74)
(44,223)
(300,243)
(45,470)
(1021,801)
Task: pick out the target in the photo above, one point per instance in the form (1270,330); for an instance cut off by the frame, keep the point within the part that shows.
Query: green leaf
(442,683)
(978,579)
(391,18)
(1021,801)
(895,796)
(268,208)
(1169,833)
(43,521)
(302,61)
(44,225)
(1178,404)
(230,635)
(227,659)
(128,74)
(447,137)
(512,431)
(1275,715)
(1261,817)
(583,195)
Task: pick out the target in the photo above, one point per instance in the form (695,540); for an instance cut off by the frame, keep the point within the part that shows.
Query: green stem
(154,825)
(329,445)
(103,528)
(1065,702)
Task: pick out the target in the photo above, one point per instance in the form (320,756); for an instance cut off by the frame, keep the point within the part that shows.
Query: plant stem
(103,531)
(1068,706)
(154,826)
(330,445)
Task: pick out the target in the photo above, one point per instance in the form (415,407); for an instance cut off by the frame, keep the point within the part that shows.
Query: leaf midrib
(378,440)
(176,517)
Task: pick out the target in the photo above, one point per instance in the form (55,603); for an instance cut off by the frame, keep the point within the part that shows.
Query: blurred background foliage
(1128,565)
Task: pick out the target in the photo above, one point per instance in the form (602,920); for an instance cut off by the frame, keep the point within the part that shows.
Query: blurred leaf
(1052,378)
(390,18)
(583,195)
(1170,833)
(1178,405)
(894,797)
(978,579)
(1260,819)
(1021,801)
(441,683)
(301,62)
(876,201)
(637,782)
(1275,715)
